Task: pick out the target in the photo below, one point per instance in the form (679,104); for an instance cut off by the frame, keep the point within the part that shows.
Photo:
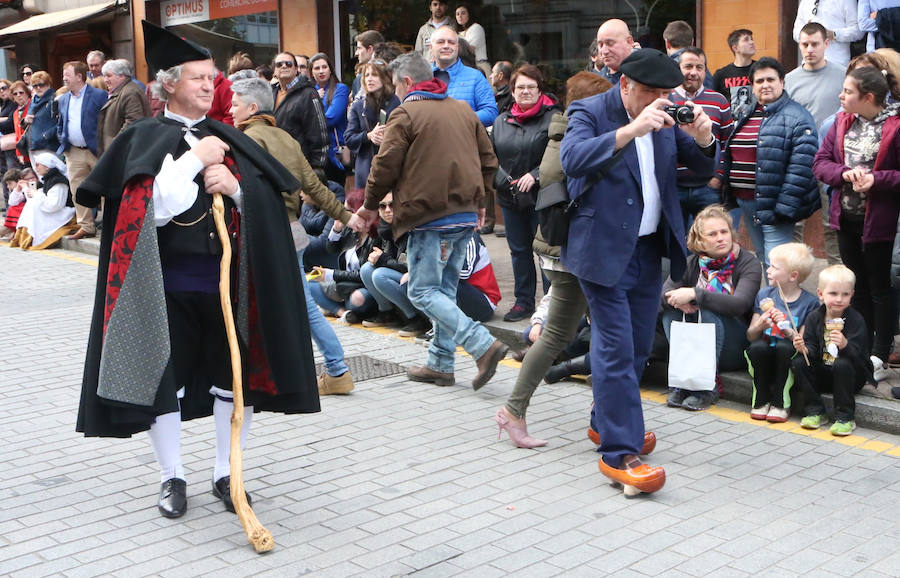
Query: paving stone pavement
(402,478)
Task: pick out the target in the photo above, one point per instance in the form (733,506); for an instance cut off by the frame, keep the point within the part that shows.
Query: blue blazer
(603,232)
(94,99)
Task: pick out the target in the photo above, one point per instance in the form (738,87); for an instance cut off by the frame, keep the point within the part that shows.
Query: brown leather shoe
(428,375)
(81,234)
(649,441)
(487,364)
(635,473)
(331,385)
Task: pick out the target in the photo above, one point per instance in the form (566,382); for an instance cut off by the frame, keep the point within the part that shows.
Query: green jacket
(551,171)
(287,151)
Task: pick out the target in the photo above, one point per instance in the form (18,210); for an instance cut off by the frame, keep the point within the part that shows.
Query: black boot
(580,365)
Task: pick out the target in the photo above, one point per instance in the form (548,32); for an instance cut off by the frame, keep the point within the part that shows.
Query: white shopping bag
(692,355)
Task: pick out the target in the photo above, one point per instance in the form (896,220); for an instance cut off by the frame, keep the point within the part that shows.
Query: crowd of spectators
(785,144)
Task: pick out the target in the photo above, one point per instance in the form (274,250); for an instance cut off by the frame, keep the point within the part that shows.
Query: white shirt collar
(183,120)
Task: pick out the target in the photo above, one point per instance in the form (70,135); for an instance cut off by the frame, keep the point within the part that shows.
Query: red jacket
(221,106)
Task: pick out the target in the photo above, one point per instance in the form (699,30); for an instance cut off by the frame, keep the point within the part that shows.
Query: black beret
(164,49)
(652,68)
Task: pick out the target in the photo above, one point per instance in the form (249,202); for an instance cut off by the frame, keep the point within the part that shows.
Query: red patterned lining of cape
(258,373)
(132,211)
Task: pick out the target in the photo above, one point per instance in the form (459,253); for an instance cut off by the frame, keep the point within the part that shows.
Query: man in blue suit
(77,132)
(620,154)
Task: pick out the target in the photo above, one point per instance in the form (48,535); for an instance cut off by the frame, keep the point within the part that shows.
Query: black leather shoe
(173,498)
(222,490)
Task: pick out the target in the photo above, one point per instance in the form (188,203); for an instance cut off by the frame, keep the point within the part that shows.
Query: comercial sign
(174,12)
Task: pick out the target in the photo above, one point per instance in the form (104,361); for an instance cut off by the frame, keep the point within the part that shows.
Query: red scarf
(523,115)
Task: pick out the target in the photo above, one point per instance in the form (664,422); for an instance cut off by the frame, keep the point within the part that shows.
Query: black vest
(193,232)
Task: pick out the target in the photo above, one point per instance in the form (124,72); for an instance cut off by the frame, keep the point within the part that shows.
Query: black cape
(269,304)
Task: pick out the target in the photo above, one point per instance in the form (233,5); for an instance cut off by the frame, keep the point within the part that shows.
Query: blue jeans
(521,226)
(322,332)
(764,237)
(384,285)
(731,336)
(435,259)
(368,306)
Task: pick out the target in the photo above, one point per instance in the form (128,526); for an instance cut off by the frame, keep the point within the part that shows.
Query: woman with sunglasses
(25,73)
(335,98)
(21,95)
(42,135)
(365,128)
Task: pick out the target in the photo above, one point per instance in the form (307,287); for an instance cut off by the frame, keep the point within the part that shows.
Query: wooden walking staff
(791,317)
(259,537)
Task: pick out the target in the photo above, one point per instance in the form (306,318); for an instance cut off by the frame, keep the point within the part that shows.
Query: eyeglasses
(284,64)
(18,93)
(4,87)
(378,61)
(39,85)
(27,73)
(529,88)
(386,206)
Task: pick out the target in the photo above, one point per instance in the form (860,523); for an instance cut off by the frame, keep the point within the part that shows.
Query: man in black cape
(158,351)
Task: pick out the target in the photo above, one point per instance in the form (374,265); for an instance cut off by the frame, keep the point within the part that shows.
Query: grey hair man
(95,60)
(126,104)
(438,161)
(162,173)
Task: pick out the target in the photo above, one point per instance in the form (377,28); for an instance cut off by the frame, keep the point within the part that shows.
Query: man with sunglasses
(299,112)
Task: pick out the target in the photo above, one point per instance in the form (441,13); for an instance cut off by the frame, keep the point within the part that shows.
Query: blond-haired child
(770,332)
(836,340)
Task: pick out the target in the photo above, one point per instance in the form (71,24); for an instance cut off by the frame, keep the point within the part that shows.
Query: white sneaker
(760,413)
(881,370)
(778,415)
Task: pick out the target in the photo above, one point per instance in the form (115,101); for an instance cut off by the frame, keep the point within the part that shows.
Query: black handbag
(553,208)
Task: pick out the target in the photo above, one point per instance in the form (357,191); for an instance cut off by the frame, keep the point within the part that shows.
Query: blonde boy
(771,348)
(836,341)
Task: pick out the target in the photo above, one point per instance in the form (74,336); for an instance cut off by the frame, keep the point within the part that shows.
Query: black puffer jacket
(349,239)
(519,148)
(302,116)
(393,253)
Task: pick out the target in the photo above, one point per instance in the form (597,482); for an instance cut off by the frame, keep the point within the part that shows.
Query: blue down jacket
(786,190)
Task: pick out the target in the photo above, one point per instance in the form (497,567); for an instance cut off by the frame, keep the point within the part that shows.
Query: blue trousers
(623,324)
(521,226)
(435,259)
(764,237)
(322,332)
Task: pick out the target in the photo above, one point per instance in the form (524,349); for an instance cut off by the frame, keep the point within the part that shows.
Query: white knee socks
(165,434)
(223,407)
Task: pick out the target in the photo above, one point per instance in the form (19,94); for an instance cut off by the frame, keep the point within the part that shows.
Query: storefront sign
(175,12)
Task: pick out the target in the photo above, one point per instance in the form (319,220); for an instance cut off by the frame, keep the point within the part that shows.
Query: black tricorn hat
(164,49)
(652,68)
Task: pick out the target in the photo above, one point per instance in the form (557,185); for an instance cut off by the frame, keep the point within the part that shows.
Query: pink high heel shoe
(516,430)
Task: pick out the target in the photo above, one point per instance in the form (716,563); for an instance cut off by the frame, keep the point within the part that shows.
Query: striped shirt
(718,110)
(742,177)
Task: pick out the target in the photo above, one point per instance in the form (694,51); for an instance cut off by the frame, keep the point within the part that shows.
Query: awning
(56,19)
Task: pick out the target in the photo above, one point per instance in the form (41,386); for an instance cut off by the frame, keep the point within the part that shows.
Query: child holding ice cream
(771,330)
(836,341)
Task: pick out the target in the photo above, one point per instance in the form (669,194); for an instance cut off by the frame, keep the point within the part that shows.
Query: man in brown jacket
(127,103)
(438,161)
